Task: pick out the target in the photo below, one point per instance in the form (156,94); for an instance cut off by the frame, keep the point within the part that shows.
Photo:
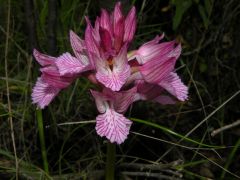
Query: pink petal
(130,25)
(91,44)
(157,69)
(78,45)
(150,50)
(175,52)
(51,76)
(118,34)
(118,26)
(96,34)
(43,93)
(116,77)
(117,13)
(105,22)
(174,86)
(51,70)
(43,59)
(113,126)
(68,64)
(106,39)
(124,99)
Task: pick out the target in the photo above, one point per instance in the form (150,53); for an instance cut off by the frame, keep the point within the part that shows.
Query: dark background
(209,65)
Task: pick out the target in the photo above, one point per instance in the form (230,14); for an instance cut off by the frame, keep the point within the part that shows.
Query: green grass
(209,33)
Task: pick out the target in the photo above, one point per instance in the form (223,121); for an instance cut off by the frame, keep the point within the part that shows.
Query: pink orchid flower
(124,77)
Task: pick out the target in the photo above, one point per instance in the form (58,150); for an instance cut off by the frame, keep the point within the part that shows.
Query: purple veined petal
(96,34)
(124,99)
(78,45)
(130,25)
(106,39)
(176,52)
(113,126)
(115,77)
(174,86)
(147,52)
(43,93)
(90,42)
(157,69)
(97,24)
(164,100)
(68,64)
(57,81)
(51,70)
(43,59)
(105,22)
(118,26)
(117,13)
(118,34)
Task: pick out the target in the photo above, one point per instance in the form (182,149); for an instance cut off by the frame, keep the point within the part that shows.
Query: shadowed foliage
(165,141)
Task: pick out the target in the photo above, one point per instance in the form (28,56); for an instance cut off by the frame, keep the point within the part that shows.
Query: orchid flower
(122,76)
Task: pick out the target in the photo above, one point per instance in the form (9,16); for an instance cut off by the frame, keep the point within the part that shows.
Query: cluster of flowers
(124,77)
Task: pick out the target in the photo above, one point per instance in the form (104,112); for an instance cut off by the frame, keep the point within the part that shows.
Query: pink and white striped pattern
(114,76)
(43,93)
(173,84)
(68,64)
(113,126)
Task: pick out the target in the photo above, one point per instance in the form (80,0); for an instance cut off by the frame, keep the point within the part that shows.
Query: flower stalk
(111,156)
(42,140)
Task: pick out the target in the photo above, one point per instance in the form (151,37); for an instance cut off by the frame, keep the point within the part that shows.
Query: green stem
(42,140)
(110,166)
(230,158)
